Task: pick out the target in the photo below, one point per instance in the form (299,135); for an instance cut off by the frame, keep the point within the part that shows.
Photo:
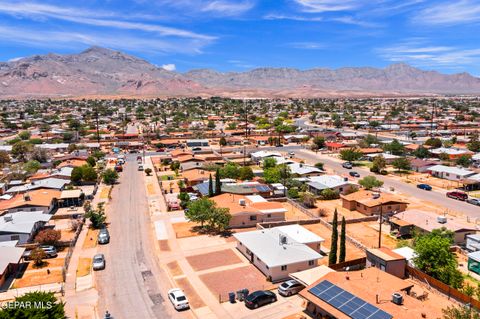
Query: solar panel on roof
(347,303)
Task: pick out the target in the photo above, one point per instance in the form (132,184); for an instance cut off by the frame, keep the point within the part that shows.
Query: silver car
(290,287)
(98,262)
(103,236)
(474,201)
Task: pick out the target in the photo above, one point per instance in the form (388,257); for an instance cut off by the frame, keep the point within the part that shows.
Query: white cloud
(274,16)
(450,13)
(418,53)
(169,67)
(15,59)
(328,5)
(227,8)
(96,18)
(69,40)
(306,45)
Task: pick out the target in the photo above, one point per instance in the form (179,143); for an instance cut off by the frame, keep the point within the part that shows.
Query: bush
(48,237)
(148,171)
(37,256)
(329,194)
(110,176)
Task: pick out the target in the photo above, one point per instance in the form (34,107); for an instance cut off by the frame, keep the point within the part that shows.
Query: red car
(457,195)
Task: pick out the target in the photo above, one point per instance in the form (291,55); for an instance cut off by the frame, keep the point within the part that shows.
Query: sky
(239,35)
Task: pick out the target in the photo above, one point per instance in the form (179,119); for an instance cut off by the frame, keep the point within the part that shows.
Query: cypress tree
(218,185)
(332,257)
(210,186)
(342,253)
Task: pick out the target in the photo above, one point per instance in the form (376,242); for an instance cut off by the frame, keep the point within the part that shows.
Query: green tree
(269,162)
(24,135)
(370,140)
(39,154)
(32,166)
(230,170)
(53,309)
(223,141)
(184,199)
(218,184)
(474,144)
(379,164)
(308,199)
(421,152)
(460,312)
(37,255)
(77,175)
(463,160)
(401,164)
(272,175)
(91,161)
(245,173)
(332,257)
(434,142)
(369,182)
(88,173)
(110,176)
(21,149)
(435,258)
(343,235)
(199,211)
(395,148)
(4,158)
(148,171)
(319,142)
(329,194)
(350,155)
(210,186)
(220,219)
(319,165)
(97,216)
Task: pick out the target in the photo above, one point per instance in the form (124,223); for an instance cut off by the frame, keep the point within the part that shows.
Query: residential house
(196,176)
(44,200)
(450,172)
(365,293)
(10,258)
(276,254)
(373,203)
(247,211)
(474,262)
(473,242)
(421,165)
(303,170)
(48,183)
(339,184)
(197,143)
(424,222)
(451,152)
(259,156)
(22,226)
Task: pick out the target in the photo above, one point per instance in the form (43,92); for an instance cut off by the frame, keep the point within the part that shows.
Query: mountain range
(103,72)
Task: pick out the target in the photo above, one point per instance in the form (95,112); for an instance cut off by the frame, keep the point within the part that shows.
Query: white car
(178,299)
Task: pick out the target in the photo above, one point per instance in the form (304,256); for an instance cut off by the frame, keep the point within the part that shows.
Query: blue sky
(237,35)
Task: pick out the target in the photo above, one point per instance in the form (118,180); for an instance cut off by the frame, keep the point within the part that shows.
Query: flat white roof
(451,170)
(266,245)
(300,234)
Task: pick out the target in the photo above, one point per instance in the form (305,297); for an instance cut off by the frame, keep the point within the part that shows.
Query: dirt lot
(84,266)
(67,234)
(193,298)
(364,233)
(294,213)
(417,178)
(214,259)
(38,277)
(48,263)
(184,229)
(90,239)
(238,278)
(352,251)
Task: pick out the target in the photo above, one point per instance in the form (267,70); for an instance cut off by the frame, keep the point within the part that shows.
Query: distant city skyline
(229,35)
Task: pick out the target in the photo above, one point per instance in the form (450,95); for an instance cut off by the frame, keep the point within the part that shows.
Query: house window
(241,244)
(258,259)
(248,251)
(15,237)
(284,267)
(253,217)
(311,262)
(32,209)
(269,215)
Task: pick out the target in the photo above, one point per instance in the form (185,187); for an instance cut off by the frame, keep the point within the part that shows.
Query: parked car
(119,168)
(140,167)
(260,298)
(103,236)
(50,252)
(457,195)
(98,262)
(178,299)
(354,174)
(292,154)
(425,187)
(290,287)
(474,201)
(347,165)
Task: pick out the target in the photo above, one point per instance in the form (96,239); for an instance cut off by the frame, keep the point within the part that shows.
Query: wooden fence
(352,264)
(442,287)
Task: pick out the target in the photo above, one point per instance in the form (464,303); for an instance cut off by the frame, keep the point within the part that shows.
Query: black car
(354,174)
(260,298)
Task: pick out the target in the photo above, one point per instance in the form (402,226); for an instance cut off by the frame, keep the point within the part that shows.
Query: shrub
(329,194)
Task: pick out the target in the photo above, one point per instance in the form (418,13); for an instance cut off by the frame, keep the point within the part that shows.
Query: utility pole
(96,120)
(245,110)
(380,228)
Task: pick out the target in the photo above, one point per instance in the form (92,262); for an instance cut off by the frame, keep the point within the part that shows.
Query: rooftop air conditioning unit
(441,219)
(242,202)
(397,298)
(375,195)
